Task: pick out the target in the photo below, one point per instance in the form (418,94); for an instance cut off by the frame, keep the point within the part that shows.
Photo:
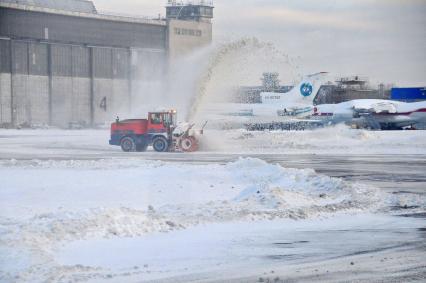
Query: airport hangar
(64,63)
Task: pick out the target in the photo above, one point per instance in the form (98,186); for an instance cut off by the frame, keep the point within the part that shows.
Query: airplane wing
(384,107)
(388,106)
(373,106)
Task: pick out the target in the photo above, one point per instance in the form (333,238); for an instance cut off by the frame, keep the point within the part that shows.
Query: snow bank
(131,198)
(45,204)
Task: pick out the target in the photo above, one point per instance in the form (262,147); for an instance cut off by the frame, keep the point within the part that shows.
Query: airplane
(377,114)
(298,102)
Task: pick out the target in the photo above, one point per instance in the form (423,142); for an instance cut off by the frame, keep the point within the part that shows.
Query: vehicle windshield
(170,119)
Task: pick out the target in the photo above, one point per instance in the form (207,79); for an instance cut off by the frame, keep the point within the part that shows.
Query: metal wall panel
(78,30)
(120,63)
(81,100)
(21,105)
(61,60)
(37,59)
(20,57)
(5,99)
(37,99)
(102,63)
(4,56)
(80,62)
(61,101)
(30,99)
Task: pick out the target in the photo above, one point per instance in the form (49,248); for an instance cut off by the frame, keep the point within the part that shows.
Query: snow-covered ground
(335,140)
(72,208)
(240,252)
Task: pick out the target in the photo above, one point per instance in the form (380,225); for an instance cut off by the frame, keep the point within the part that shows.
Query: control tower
(189,26)
(200,11)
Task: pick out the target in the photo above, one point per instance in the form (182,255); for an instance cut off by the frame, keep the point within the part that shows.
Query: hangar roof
(76,8)
(80,6)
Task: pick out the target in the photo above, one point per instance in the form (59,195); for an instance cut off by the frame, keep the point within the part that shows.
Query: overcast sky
(383,39)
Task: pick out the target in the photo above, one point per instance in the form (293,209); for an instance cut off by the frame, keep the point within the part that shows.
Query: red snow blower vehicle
(159,130)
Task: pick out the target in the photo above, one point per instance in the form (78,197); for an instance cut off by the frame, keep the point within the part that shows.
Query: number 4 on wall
(103,104)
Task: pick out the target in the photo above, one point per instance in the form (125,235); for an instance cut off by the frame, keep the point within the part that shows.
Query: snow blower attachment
(159,130)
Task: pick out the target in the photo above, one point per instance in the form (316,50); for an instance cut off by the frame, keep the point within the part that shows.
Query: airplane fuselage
(387,113)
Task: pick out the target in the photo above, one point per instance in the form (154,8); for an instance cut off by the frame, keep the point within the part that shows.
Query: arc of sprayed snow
(215,60)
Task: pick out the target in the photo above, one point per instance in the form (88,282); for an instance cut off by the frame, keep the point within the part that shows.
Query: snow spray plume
(241,61)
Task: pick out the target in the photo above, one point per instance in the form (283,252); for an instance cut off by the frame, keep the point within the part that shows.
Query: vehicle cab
(162,122)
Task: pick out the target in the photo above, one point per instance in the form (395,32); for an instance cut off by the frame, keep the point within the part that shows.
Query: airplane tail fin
(307,90)
(303,93)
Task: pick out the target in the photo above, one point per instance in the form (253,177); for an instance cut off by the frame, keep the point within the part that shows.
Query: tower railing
(190,2)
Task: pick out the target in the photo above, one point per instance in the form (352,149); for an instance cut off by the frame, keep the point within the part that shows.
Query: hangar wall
(62,69)
(61,84)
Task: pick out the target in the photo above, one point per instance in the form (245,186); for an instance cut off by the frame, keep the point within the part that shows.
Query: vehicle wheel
(189,144)
(128,144)
(141,147)
(160,144)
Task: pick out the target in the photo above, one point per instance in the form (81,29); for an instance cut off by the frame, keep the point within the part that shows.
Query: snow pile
(277,188)
(43,230)
(244,190)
